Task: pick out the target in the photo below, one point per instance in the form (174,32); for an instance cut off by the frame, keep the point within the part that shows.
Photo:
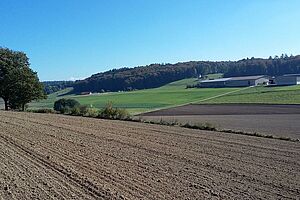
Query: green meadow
(272,95)
(170,95)
(175,94)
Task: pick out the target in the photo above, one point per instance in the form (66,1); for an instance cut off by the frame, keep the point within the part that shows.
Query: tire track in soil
(128,144)
(196,166)
(105,174)
(72,177)
(20,173)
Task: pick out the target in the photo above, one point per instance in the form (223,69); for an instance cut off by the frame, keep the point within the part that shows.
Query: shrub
(42,110)
(65,110)
(83,109)
(75,111)
(65,105)
(109,112)
(205,126)
(121,114)
(91,112)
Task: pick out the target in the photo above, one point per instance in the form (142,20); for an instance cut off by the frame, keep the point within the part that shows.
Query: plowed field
(267,119)
(61,157)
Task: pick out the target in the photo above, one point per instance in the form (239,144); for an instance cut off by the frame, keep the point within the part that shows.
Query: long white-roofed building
(242,81)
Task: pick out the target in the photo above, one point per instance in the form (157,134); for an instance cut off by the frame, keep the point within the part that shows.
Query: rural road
(46,156)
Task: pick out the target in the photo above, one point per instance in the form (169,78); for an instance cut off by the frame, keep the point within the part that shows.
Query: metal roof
(246,78)
(233,79)
(286,75)
(216,80)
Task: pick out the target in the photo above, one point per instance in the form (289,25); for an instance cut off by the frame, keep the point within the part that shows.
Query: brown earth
(268,119)
(61,157)
(228,109)
(279,125)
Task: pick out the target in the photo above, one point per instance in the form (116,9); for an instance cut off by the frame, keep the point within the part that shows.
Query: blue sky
(67,39)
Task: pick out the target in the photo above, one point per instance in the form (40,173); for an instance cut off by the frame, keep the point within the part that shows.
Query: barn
(242,81)
(288,79)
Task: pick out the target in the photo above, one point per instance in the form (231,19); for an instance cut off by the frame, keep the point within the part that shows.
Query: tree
(65,105)
(27,89)
(6,66)
(19,85)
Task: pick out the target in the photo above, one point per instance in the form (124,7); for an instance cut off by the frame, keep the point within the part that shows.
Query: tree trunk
(23,107)
(5,104)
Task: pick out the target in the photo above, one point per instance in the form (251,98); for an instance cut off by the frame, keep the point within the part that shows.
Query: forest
(54,86)
(156,75)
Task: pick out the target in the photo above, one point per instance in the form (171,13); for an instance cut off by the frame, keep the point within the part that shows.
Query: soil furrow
(114,159)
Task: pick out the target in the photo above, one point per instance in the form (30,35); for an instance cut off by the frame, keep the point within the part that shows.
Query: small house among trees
(85,93)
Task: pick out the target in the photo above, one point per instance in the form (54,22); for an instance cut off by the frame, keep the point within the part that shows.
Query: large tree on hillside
(19,85)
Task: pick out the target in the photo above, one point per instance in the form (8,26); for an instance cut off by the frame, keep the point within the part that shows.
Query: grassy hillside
(276,95)
(49,102)
(175,93)
(171,94)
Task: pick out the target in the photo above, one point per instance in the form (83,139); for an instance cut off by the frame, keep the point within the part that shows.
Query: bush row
(72,107)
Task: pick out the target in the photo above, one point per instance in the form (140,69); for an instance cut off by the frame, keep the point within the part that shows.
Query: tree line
(19,84)
(156,75)
(54,86)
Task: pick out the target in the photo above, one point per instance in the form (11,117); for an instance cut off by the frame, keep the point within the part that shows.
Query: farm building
(235,81)
(85,93)
(288,79)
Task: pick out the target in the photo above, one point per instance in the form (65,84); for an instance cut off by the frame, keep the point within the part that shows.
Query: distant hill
(54,86)
(156,75)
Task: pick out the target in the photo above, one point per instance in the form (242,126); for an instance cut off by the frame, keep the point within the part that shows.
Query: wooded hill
(156,75)
(54,86)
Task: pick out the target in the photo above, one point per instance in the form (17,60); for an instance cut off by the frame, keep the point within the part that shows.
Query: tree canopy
(62,105)
(19,84)
(54,86)
(156,75)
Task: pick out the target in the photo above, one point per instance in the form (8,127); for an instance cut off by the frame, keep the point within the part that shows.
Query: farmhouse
(235,81)
(288,79)
(85,93)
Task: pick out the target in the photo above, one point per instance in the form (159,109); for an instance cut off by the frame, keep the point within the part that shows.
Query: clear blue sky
(67,39)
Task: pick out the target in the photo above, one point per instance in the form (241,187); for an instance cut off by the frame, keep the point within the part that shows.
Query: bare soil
(46,156)
(268,119)
(228,109)
(279,125)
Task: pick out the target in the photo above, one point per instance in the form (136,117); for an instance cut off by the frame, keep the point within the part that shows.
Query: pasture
(260,94)
(139,101)
(176,94)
